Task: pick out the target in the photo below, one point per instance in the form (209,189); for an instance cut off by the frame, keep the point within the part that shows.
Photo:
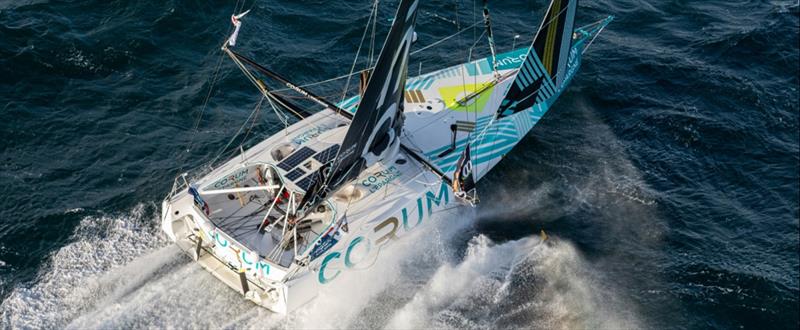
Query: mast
(488,22)
(374,133)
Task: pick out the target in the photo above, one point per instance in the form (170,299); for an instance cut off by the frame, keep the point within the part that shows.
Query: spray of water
(121,272)
(65,285)
(525,282)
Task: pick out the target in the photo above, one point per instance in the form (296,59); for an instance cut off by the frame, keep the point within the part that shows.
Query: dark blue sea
(667,175)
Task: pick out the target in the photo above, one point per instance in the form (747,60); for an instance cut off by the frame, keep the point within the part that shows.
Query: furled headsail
(374,132)
(545,67)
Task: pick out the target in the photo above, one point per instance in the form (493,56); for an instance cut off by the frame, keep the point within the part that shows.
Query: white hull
(388,199)
(408,194)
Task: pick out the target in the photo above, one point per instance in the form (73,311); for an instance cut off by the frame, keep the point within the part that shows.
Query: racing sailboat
(287,216)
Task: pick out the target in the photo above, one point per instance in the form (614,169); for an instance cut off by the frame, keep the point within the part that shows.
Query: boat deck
(243,216)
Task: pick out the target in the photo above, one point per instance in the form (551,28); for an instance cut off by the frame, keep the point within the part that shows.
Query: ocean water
(667,176)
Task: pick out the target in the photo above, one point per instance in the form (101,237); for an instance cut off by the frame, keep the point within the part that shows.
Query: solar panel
(296,158)
(295,174)
(327,154)
(306,182)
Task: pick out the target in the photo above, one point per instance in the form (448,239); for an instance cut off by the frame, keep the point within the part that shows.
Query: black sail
(545,66)
(376,126)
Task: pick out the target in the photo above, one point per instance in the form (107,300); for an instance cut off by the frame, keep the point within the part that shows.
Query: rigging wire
(322,81)
(352,73)
(358,51)
(372,41)
(215,78)
(596,34)
(239,131)
(283,117)
(253,123)
(443,39)
(438,42)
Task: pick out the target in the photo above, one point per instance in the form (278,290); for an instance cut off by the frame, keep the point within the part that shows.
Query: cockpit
(255,206)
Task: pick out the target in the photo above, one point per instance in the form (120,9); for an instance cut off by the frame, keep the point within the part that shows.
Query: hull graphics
(363,248)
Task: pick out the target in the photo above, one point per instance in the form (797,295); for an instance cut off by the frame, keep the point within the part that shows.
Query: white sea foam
(367,297)
(67,283)
(120,273)
(527,282)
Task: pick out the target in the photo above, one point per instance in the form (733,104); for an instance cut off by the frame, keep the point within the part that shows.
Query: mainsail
(545,66)
(375,129)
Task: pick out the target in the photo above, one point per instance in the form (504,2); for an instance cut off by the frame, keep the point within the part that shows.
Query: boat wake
(86,271)
(119,272)
(541,284)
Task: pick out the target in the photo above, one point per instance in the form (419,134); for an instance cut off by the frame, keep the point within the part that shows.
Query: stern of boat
(271,283)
